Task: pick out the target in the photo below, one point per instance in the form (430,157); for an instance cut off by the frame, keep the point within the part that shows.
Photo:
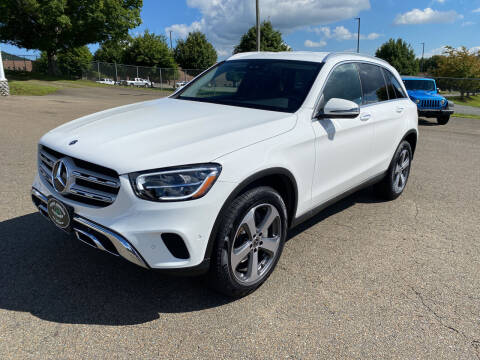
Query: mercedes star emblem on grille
(61,175)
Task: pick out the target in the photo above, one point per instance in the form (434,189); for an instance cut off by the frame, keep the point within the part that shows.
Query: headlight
(442,101)
(175,184)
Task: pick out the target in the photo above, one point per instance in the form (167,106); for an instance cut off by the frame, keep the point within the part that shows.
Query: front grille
(430,104)
(89,184)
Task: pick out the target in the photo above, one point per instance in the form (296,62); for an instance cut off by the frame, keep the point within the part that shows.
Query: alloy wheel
(402,168)
(256,243)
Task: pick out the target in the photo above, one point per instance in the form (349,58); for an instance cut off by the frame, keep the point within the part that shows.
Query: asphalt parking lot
(363,279)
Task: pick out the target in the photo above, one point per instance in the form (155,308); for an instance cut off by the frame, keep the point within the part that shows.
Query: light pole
(4,89)
(423,52)
(358,35)
(258,25)
(171,47)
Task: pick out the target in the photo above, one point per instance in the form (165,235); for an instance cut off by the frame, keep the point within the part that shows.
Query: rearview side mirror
(336,108)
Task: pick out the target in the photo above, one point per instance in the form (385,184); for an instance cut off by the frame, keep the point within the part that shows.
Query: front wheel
(394,182)
(249,242)
(443,120)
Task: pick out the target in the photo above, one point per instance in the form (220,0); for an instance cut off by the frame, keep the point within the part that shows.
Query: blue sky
(318,25)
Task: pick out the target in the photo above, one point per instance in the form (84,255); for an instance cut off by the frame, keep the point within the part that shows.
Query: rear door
(343,146)
(389,131)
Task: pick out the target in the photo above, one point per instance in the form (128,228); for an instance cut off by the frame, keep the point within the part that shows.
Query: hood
(424,95)
(165,132)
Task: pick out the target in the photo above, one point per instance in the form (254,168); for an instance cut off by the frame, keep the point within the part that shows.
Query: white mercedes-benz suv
(209,179)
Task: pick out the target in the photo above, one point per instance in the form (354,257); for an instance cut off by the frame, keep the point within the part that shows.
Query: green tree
(430,65)
(195,52)
(459,63)
(55,25)
(112,51)
(149,50)
(70,63)
(74,61)
(270,40)
(400,55)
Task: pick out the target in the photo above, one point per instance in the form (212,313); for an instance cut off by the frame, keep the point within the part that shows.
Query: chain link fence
(121,74)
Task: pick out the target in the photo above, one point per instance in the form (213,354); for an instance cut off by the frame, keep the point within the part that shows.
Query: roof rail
(335,54)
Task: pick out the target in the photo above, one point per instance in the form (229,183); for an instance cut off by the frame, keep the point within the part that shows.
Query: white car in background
(106,81)
(210,179)
(180,84)
(139,82)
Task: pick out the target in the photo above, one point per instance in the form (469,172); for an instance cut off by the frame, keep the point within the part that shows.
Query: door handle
(365,117)
(400,109)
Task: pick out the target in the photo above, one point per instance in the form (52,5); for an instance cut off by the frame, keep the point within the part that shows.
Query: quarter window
(373,83)
(343,83)
(395,91)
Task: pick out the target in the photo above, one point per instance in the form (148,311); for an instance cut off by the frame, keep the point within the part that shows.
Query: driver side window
(343,83)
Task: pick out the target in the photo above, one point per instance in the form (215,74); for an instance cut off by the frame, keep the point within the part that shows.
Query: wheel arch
(411,136)
(281,179)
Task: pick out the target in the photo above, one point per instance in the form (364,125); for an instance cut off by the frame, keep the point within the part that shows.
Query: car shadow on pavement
(365,196)
(423,122)
(57,278)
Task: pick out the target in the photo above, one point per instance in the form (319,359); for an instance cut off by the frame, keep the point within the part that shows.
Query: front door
(343,146)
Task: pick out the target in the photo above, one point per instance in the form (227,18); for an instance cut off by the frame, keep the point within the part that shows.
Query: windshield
(278,85)
(428,85)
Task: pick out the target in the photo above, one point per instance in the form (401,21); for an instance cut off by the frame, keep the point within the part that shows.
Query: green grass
(30,88)
(27,83)
(468,116)
(469,101)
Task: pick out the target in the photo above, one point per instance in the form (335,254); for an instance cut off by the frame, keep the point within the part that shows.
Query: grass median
(30,88)
(466,116)
(468,101)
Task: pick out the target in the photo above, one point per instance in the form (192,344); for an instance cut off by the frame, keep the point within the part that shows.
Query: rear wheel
(443,120)
(249,242)
(396,178)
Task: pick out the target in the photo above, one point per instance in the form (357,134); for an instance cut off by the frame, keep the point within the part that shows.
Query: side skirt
(335,199)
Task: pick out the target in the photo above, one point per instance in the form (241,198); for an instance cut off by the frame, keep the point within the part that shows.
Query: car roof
(416,78)
(308,56)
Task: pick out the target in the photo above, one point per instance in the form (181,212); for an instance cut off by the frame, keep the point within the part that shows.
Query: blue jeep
(424,93)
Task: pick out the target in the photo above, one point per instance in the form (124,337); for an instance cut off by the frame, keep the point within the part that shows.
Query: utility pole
(171,47)
(358,35)
(423,52)
(258,26)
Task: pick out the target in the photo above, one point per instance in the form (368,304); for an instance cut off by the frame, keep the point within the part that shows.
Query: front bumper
(434,112)
(142,223)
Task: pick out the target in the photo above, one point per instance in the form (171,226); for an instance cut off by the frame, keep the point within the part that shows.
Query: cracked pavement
(363,279)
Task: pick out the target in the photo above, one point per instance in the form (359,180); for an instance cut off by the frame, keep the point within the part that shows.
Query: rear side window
(373,83)
(395,91)
(343,83)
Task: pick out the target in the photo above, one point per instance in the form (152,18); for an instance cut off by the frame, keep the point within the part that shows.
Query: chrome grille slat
(94,187)
(96,178)
(88,193)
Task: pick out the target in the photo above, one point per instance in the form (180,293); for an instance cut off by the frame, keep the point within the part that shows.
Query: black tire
(443,120)
(222,276)
(387,188)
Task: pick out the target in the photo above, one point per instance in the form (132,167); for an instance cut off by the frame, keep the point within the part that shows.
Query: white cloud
(468,23)
(427,16)
(476,10)
(313,44)
(342,33)
(182,30)
(224,21)
(439,1)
